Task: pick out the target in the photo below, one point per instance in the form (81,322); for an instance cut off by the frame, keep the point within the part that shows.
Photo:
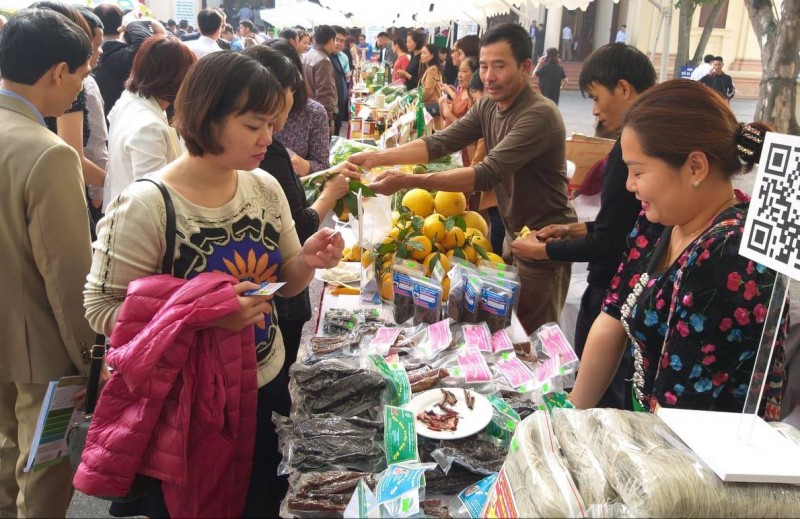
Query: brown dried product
(448,398)
(327,483)
(423,379)
(332,386)
(469,399)
(423,315)
(472,453)
(437,482)
(332,425)
(326,345)
(495,307)
(403,308)
(435,508)
(334,504)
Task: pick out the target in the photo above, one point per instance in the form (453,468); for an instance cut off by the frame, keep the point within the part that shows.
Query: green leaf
(434,261)
(417,222)
(338,209)
(460,222)
(355,186)
(481,251)
(386,248)
(404,233)
(449,223)
(312,192)
(415,245)
(458,252)
(402,252)
(352,203)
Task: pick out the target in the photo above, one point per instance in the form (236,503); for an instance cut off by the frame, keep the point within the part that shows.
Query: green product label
(504,419)
(397,380)
(399,435)
(556,401)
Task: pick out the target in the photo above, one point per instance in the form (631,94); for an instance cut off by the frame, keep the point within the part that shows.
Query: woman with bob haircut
(231,217)
(140,139)
(691,306)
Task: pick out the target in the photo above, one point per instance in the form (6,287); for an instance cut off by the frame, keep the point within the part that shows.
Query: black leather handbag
(76,437)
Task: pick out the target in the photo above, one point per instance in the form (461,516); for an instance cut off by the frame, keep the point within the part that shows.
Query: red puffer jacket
(181,403)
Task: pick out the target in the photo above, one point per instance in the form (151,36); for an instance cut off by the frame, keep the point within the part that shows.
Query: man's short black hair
(616,61)
(36,39)
(248,25)
(719,58)
(92,19)
(708,58)
(111,16)
(209,21)
(183,24)
(383,34)
(171,23)
(288,34)
(324,34)
(516,36)
(340,30)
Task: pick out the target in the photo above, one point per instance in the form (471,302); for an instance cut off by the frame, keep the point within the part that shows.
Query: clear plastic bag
(472,453)
(334,386)
(534,476)
(328,442)
(322,494)
(655,478)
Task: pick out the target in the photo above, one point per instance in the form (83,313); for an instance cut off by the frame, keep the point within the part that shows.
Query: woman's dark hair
(401,44)
(34,40)
(517,37)
(616,61)
(159,68)
(68,11)
(552,56)
(476,83)
(349,41)
(677,117)
(301,92)
(221,84)
(471,62)
(92,20)
(111,15)
(418,39)
(469,45)
(281,67)
(435,61)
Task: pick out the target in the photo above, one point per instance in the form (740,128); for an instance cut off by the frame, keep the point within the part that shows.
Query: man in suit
(45,241)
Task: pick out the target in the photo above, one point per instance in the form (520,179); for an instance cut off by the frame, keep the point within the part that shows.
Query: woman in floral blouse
(691,306)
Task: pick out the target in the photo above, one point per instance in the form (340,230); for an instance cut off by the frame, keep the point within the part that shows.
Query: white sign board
(772,232)
(768,457)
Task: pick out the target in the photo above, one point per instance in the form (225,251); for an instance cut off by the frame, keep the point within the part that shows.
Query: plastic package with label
(329,347)
(438,339)
(656,475)
(574,434)
(472,453)
(427,297)
(399,341)
(401,488)
(534,480)
(334,386)
(550,340)
(398,387)
(496,303)
(472,298)
(459,271)
(403,275)
(470,502)
(513,376)
(466,368)
(504,422)
(322,494)
(329,442)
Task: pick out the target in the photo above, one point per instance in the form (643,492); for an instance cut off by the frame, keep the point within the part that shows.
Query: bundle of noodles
(538,479)
(574,434)
(657,479)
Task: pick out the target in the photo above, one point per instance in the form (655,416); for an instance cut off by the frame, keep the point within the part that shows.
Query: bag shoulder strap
(169,255)
(98,351)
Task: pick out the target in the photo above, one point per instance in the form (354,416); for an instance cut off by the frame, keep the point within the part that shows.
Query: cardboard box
(584,152)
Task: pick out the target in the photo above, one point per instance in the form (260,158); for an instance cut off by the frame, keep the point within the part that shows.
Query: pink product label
(474,366)
(555,343)
(385,337)
(477,336)
(515,372)
(439,336)
(501,342)
(546,370)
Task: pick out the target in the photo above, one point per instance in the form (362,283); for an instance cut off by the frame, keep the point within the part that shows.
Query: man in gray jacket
(318,70)
(46,251)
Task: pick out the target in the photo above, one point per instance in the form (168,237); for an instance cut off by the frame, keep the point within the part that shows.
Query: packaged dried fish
(334,386)
(403,275)
(472,453)
(323,494)
(427,298)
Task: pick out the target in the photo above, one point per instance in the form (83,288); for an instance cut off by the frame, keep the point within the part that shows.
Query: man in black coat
(719,80)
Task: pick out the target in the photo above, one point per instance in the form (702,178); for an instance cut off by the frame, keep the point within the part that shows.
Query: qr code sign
(772,231)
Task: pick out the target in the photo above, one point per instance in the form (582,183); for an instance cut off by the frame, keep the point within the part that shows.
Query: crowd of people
(151,178)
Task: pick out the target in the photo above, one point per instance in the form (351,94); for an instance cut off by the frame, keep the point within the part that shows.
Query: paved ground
(577,113)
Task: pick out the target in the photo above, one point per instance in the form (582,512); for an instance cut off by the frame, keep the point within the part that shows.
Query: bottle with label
(380,77)
(387,73)
(369,127)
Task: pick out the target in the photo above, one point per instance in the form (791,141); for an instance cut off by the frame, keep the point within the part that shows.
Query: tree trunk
(686,11)
(707,29)
(780,44)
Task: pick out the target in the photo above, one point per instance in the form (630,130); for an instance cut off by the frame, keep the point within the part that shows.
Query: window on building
(705,12)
